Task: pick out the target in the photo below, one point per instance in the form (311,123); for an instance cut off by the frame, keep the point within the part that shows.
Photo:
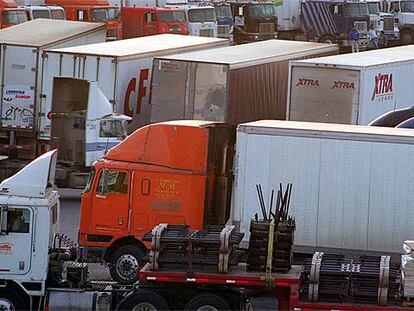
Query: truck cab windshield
(14,17)
(172,16)
(374,8)
(112,128)
(262,10)
(356,9)
(223,11)
(105,14)
(57,14)
(407,6)
(201,15)
(41,14)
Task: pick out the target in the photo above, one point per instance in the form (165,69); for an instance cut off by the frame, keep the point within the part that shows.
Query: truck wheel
(11,301)
(144,300)
(125,264)
(327,39)
(407,37)
(207,302)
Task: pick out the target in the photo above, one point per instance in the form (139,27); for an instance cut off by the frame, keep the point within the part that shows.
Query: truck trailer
(231,84)
(350,190)
(352,89)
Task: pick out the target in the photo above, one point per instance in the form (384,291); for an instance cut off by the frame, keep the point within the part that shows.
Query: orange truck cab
(11,14)
(99,11)
(146,21)
(175,172)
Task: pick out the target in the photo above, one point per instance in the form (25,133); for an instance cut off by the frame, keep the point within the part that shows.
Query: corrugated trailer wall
(350,193)
(260,92)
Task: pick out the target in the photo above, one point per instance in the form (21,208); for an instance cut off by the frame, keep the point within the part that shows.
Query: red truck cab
(11,14)
(146,21)
(99,11)
(173,172)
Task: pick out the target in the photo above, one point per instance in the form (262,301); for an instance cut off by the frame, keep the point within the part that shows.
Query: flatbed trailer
(201,281)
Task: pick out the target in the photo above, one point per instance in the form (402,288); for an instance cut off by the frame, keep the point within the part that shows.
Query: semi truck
(11,14)
(146,21)
(200,16)
(96,11)
(231,84)
(39,270)
(353,89)
(350,189)
(253,21)
(330,21)
(404,12)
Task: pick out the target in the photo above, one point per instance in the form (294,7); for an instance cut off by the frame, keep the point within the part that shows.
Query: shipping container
(231,84)
(21,75)
(122,70)
(351,88)
(351,184)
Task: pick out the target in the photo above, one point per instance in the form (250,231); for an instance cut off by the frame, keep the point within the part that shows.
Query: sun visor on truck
(34,179)
(183,146)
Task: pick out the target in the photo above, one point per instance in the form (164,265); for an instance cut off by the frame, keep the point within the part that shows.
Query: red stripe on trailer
(19,147)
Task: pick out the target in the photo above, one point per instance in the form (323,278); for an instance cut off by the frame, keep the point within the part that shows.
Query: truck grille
(206,33)
(112,34)
(389,23)
(361,26)
(266,28)
(223,31)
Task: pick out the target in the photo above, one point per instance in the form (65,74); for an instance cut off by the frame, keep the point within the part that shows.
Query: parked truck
(383,21)
(152,20)
(11,14)
(97,11)
(253,21)
(350,89)
(404,12)
(38,270)
(231,84)
(330,21)
(122,72)
(182,172)
(23,81)
(225,25)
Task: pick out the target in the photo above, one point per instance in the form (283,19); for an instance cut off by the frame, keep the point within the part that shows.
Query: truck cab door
(150,25)
(110,202)
(16,239)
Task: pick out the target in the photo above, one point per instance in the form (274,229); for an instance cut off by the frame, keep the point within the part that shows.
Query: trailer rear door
(324,95)
(19,83)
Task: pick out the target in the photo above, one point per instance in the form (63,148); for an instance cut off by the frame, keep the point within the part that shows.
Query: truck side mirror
(336,9)
(150,17)
(3,220)
(105,174)
(80,16)
(241,11)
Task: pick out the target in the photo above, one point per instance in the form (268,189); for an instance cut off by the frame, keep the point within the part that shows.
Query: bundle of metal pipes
(215,245)
(271,238)
(334,278)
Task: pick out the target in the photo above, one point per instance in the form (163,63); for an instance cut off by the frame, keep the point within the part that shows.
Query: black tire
(125,264)
(11,300)
(144,300)
(406,37)
(327,39)
(207,302)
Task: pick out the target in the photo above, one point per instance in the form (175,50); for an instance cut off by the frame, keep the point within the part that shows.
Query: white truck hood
(34,179)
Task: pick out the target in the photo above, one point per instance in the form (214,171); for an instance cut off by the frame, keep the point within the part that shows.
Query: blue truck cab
(331,21)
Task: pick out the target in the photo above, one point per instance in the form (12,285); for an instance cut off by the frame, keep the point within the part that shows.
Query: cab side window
(18,220)
(113,182)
